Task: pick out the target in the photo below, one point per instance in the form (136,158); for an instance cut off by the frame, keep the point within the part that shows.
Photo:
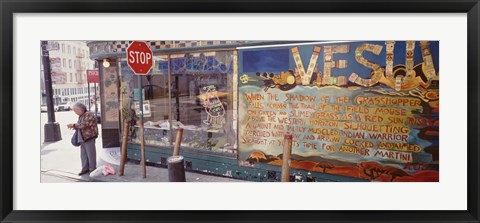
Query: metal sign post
(96,109)
(142,131)
(93,77)
(140,60)
(89,99)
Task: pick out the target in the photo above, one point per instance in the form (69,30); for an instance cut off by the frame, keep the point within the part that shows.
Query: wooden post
(142,150)
(178,141)
(126,127)
(287,152)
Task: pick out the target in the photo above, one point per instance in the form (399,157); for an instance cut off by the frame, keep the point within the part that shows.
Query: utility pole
(51,128)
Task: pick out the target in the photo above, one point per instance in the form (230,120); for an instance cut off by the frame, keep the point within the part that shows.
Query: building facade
(69,63)
(355,111)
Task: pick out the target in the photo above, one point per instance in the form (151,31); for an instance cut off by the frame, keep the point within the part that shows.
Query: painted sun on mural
(367,109)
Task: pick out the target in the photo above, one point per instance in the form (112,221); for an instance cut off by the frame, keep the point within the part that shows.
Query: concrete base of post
(52,132)
(176,169)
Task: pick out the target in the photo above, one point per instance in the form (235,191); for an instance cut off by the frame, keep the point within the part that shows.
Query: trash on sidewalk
(103,169)
(108,170)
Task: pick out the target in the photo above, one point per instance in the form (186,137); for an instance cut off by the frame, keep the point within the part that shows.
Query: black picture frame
(9,7)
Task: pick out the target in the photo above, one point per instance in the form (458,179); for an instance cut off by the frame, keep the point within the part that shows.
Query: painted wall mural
(110,97)
(365,109)
(202,63)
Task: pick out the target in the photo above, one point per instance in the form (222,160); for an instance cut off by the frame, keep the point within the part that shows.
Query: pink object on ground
(108,170)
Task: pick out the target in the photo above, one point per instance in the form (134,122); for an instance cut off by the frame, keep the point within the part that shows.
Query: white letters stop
(139,57)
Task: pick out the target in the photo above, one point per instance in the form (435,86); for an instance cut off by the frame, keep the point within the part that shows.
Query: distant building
(68,65)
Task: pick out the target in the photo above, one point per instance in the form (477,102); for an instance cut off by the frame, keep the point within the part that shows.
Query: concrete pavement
(60,161)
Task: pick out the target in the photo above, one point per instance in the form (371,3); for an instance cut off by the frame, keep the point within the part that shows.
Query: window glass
(200,103)
(202,99)
(155,103)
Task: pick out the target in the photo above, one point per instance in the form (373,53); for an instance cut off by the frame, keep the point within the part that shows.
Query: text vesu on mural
(379,74)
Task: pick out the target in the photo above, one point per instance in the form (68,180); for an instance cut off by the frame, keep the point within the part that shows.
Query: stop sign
(139,57)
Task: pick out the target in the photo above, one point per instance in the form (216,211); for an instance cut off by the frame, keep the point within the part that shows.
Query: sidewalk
(61,163)
(133,173)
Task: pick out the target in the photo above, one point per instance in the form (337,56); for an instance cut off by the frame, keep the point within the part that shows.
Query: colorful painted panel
(110,97)
(202,63)
(362,109)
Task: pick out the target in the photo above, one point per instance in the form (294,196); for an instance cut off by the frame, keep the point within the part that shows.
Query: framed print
(311,111)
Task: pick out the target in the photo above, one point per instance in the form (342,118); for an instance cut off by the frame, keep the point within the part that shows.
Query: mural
(202,63)
(362,109)
(110,97)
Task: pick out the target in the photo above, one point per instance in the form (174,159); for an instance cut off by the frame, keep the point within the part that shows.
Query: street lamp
(51,128)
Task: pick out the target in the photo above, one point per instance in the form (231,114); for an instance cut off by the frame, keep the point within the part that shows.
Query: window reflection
(200,103)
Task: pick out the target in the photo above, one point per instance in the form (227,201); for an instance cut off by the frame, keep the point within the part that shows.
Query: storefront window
(200,100)
(154,92)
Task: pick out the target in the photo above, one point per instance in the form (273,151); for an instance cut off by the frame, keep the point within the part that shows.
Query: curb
(69,176)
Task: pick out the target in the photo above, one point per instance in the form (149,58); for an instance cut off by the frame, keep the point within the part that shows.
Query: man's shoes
(83,172)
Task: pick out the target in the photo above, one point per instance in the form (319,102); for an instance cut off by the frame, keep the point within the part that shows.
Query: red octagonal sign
(139,57)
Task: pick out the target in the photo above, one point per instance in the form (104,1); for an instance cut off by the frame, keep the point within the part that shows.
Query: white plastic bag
(97,172)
